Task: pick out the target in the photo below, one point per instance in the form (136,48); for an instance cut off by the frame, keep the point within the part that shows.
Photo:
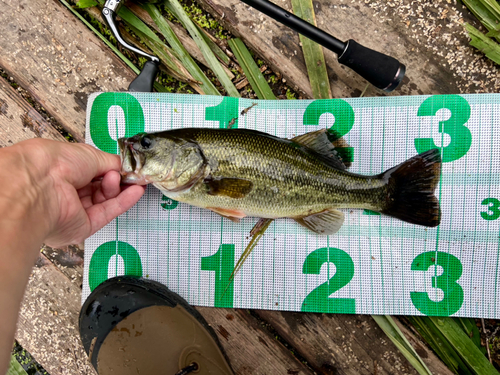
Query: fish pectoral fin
(236,188)
(233,215)
(319,142)
(325,222)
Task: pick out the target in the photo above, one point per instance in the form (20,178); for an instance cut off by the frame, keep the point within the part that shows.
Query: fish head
(169,162)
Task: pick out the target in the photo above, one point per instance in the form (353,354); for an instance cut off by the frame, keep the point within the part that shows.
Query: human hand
(74,187)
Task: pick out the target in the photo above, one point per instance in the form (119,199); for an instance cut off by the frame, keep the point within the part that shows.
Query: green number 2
(494,208)
(461,137)
(447,282)
(319,299)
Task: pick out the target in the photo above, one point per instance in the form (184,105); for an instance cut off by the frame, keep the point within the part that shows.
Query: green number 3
(494,208)
(319,299)
(461,137)
(447,282)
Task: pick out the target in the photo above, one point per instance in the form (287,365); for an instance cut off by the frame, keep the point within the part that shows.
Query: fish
(241,172)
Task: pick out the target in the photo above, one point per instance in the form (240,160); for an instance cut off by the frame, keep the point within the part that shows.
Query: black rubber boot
(137,326)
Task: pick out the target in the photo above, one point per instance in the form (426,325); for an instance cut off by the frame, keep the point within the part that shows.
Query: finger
(111,185)
(101,214)
(84,163)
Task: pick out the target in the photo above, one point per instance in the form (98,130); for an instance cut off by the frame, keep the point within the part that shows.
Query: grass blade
(484,44)
(389,326)
(468,325)
(214,47)
(313,52)
(15,368)
(188,62)
(439,344)
(468,351)
(176,8)
(251,70)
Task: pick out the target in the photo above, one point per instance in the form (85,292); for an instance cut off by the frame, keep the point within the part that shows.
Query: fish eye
(146,142)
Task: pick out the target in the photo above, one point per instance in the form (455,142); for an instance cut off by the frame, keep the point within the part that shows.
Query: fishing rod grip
(145,80)
(382,71)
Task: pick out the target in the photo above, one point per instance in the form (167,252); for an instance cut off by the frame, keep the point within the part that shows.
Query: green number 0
(169,204)
(494,208)
(224,112)
(222,262)
(99,263)
(319,299)
(461,137)
(344,120)
(447,282)
(99,130)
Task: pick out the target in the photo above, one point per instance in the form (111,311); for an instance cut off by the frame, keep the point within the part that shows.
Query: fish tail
(411,186)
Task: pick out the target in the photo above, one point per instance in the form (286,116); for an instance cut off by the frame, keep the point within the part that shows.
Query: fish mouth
(132,162)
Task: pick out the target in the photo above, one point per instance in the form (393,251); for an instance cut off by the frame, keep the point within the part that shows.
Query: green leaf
(178,11)
(488,12)
(464,346)
(453,345)
(490,48)
(188,62)
(313,52)
(251,70)
(15,368)
(468,325)
(439,344)
(214,47)
(86,4)
(391,329)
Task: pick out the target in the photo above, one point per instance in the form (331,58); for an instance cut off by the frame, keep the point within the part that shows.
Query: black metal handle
(382,71)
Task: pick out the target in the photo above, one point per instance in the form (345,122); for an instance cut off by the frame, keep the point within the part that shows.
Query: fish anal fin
(325,222)
(233,215)
(319,142)
(236,188)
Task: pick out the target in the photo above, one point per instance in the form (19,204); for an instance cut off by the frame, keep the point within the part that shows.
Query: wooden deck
(59,62)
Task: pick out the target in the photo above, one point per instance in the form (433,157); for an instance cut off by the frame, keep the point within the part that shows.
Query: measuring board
(374,265)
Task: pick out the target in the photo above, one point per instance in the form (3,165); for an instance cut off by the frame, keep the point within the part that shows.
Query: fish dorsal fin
(318,141)
(344,151)
(325,222)
(230,187)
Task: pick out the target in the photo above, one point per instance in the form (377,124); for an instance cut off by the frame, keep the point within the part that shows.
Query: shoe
(132,326)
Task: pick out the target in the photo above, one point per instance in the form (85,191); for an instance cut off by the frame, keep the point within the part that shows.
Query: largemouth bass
(239,172)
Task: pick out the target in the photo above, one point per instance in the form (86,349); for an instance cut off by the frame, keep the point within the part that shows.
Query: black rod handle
(145,80)
(383,71)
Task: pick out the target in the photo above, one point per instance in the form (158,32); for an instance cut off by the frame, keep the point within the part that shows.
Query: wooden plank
(48,321)
(19,120)
(346,344)
(400,30)
(251,349)
(57,59)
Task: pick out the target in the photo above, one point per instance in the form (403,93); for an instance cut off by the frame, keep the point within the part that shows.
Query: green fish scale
(288,179)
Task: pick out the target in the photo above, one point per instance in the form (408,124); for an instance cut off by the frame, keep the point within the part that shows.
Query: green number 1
(319,299)
(222,262)
(225,112)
